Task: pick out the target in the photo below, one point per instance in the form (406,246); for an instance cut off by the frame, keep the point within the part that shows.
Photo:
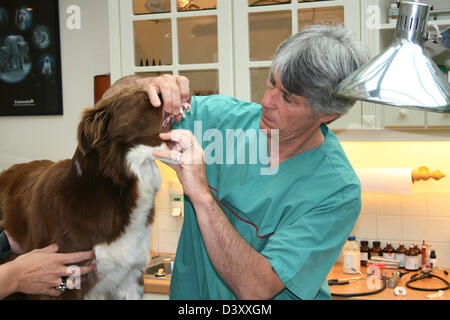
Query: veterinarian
(39,271)
(253,236)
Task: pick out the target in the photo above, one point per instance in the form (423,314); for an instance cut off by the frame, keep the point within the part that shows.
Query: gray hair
(314,61)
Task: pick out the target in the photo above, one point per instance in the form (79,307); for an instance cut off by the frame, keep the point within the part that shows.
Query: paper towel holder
(423,173)
(176,199)
(394,180)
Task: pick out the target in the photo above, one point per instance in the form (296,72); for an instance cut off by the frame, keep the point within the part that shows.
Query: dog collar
(5,249)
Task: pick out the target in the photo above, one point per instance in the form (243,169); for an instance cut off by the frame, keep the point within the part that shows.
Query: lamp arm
(442,38)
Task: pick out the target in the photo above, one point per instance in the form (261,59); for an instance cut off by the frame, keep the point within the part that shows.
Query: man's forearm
(247,272)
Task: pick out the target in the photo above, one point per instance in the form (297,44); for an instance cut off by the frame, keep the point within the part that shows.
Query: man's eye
(286,98)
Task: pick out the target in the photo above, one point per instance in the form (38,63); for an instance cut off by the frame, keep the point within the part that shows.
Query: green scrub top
(298,217)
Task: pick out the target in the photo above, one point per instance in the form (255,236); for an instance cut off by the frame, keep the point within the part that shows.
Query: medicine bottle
(419,255)
(400,255)
(389,252)
(351,255)
(411,259)
(433,259)
(424,254)
(429,251)
(376,250)
(364,253)
(393,13)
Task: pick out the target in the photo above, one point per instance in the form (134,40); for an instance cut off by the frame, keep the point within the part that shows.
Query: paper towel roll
(385,180)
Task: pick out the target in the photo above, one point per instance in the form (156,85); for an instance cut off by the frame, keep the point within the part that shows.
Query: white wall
(84,54)
(394,218)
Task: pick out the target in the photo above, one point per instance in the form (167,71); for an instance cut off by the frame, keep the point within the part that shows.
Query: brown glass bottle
(364,252)
(419,254)
(389,252)
(376,250)
(400,255)
(411,259)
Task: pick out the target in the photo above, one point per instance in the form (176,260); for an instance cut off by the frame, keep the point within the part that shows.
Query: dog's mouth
(167,125)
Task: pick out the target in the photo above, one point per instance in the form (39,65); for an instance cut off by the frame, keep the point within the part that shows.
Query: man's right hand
(174,91)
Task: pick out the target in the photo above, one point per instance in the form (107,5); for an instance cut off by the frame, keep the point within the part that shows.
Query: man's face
(285,111)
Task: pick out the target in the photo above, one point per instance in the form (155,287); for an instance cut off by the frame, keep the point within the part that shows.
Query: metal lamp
(403,75)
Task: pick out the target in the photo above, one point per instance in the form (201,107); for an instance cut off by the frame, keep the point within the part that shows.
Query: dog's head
(115,125)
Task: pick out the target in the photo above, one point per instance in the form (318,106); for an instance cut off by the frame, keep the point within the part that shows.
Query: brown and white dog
(102,198)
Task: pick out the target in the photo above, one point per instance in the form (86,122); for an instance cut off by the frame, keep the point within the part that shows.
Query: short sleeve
(303,251)
(217,112)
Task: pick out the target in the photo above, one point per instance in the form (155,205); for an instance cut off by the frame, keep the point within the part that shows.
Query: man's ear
(92,130)
(327,118)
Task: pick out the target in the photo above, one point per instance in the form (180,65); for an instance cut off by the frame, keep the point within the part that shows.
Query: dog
(101,199)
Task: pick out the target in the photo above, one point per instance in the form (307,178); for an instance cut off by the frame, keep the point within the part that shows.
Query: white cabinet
(396,117)
(191,38)
(225,46)
(222,46)
(259,29)
(377,33)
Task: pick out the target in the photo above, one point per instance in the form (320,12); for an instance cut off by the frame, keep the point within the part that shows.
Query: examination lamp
(403,75)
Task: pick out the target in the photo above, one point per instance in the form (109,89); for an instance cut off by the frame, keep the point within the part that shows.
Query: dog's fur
(101,199)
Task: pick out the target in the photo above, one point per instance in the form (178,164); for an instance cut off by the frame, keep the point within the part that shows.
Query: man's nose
(268,100)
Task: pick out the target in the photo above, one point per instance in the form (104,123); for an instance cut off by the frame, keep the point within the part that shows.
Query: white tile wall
(423,215)
(166,229)
(165,232)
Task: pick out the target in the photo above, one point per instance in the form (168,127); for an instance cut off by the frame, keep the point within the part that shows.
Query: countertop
(160,285)
(388,294)
(163,286)
(156,286)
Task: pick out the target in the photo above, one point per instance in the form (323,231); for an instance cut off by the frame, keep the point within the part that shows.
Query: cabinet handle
(403,113)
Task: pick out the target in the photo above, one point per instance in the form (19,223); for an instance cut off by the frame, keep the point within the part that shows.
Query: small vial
(393,13)
(428,252)
(364,249)
(433,259)
(424,254)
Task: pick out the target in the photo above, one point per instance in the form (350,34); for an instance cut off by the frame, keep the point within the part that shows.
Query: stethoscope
(424,274)
(427,274)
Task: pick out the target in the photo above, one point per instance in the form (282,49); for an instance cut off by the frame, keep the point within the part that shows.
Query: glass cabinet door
(222,46)
(261,25)
(180,37)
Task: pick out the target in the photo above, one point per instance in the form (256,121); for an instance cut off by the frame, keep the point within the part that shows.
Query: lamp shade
(403,75)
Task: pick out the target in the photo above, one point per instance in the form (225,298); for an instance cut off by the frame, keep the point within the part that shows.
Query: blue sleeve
(303,252)
(217,112)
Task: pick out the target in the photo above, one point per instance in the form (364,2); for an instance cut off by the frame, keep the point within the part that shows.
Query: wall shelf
(389,26)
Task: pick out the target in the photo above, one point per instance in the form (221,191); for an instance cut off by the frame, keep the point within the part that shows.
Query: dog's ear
(92,130)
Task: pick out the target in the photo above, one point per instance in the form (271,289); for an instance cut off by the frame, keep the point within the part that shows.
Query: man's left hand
(189,163)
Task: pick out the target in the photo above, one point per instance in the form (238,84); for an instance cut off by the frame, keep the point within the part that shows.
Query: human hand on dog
(174,91)
(188,163)
(41,270)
